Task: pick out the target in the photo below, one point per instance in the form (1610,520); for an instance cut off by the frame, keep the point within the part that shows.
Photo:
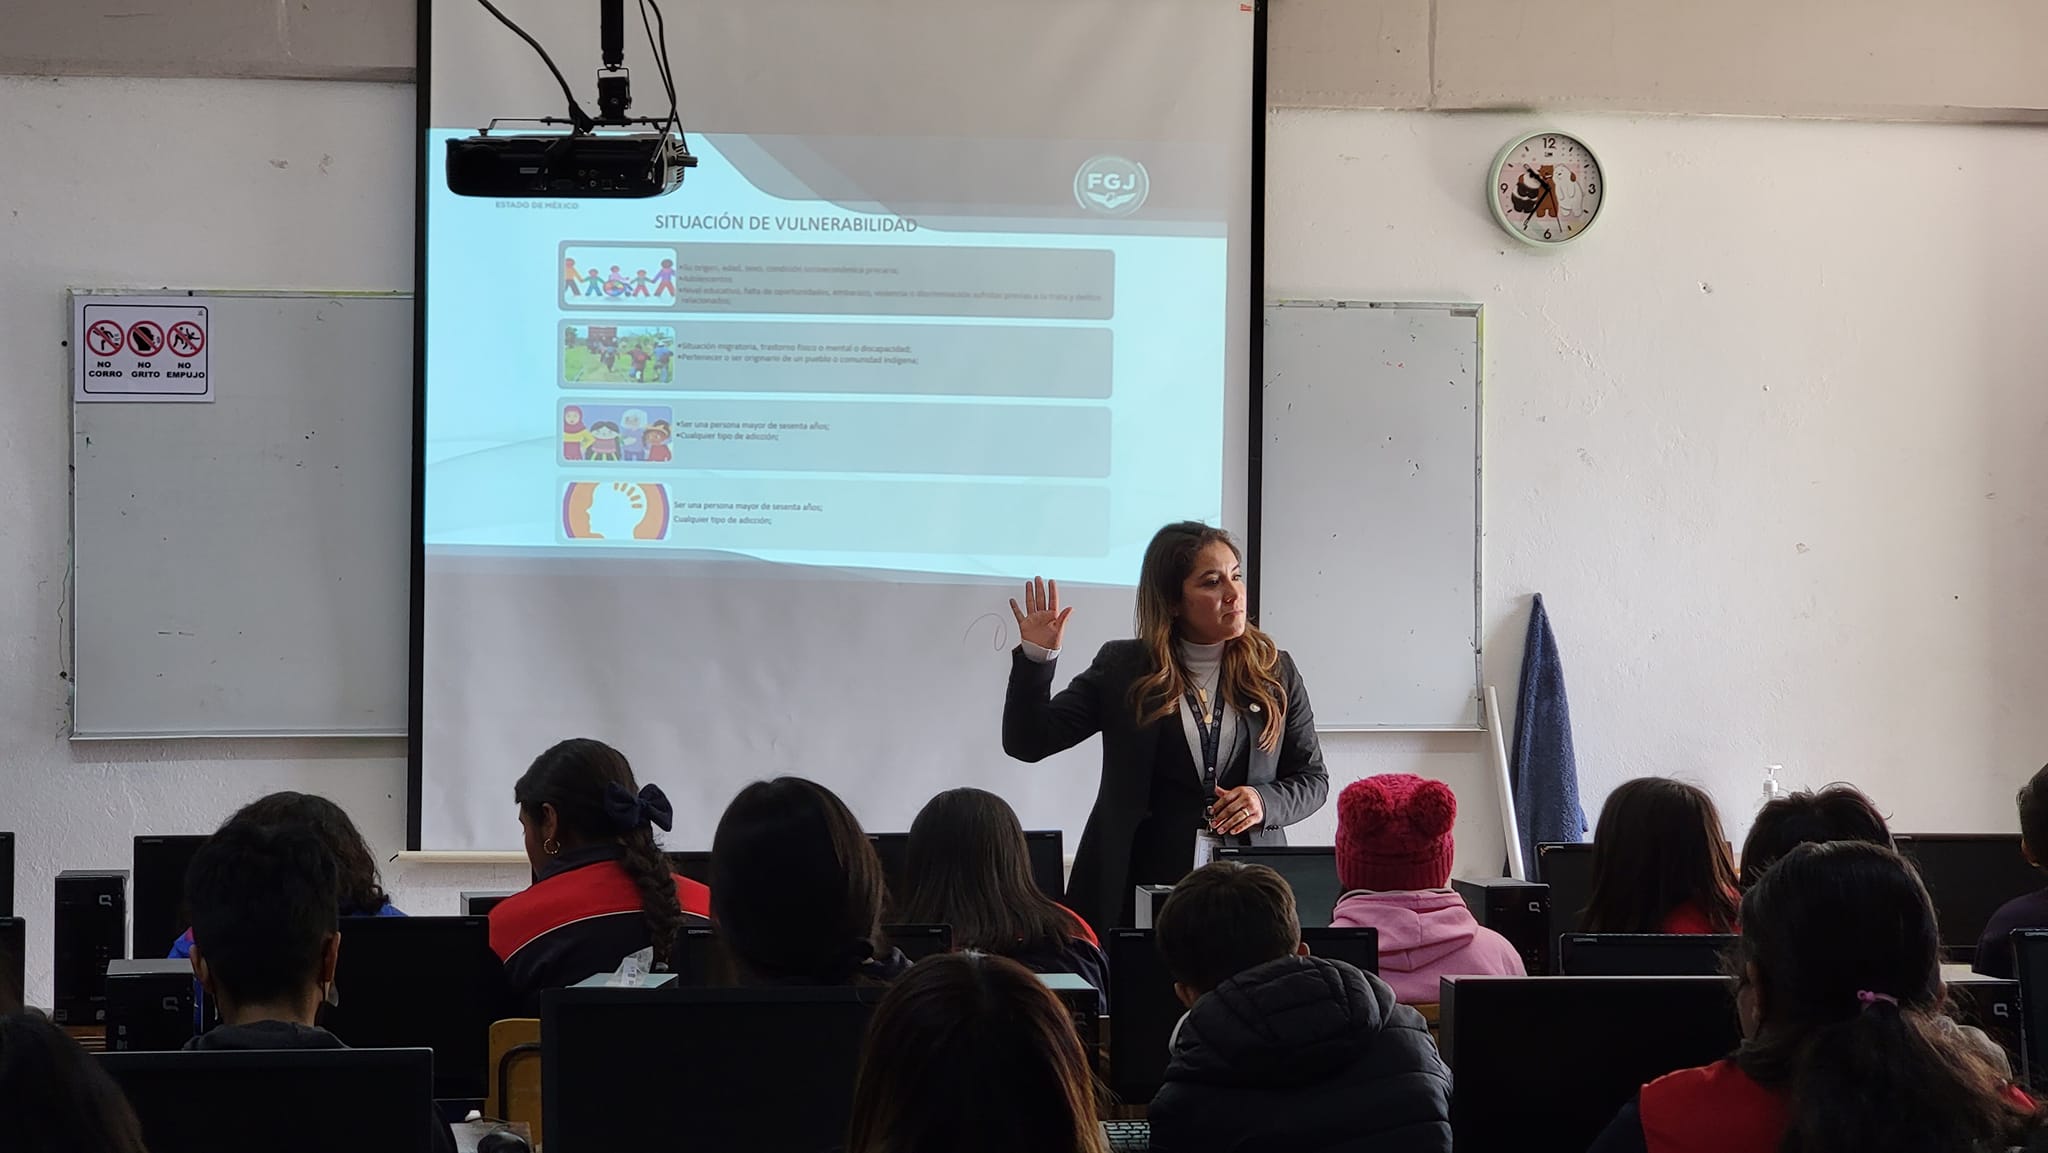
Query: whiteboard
(1369,529)
(242,568)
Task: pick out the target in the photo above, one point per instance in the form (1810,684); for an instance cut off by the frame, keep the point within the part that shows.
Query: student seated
(971,1051)
(968,866)
(1846,1049)
(1839,812)
(265,935)
(54,1097)
(1394,851)
(1660,863)
(362,890)
(1281,1050)
(602,890)
(796,889)
(1994,950)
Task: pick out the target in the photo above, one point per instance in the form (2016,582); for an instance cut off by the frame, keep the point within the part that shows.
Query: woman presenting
(1207,738)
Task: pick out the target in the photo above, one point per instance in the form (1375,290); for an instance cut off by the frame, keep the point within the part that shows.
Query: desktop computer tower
(91,928)
(151,1006)
(1517,910)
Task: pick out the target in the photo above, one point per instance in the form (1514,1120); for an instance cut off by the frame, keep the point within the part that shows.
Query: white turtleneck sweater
(1204,664)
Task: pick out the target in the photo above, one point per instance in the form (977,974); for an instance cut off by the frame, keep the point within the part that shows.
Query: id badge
(1206,844)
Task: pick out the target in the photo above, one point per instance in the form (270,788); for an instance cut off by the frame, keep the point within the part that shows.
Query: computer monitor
(1046,849)
(1969,875)
(6,874)
(480,902)
(13,960)
(692,863)
(1143,1008)
(1542,1064)
(1990,1004)
(1567,867)
(919,941)
(159,916)
(2030,963)
(1643,954)
(303,1100)
(430,982)
(1310,870)
(767,1070)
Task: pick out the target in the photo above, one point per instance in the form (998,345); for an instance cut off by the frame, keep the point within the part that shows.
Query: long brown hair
(796,888)
(969,867)
(970,1050)
(1659,845)
(362,890)
(1251,663)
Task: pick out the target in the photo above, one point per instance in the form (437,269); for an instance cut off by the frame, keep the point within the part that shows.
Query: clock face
(1547,188)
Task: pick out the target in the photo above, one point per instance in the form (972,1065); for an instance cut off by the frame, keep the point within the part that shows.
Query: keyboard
(1128,1136)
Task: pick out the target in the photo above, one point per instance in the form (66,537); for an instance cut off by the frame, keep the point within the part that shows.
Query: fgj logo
(1112,185)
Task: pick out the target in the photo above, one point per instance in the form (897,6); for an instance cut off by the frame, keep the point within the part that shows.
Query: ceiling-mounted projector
(610,155)
(518,165)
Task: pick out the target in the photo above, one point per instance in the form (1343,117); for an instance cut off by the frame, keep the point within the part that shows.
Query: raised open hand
(1041,621)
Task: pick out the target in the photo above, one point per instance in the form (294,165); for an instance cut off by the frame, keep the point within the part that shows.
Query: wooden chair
(515,1074)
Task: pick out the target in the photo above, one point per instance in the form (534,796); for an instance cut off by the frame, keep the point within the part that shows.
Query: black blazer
(1036,724)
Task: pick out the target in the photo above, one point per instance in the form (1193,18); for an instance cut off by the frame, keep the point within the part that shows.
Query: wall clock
(1547,188)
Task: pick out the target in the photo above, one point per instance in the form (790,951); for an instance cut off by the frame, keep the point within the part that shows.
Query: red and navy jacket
(580,918)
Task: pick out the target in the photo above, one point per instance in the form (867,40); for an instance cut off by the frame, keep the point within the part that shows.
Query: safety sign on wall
(139,348)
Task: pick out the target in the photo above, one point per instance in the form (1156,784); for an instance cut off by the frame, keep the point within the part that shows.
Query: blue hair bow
(629,812)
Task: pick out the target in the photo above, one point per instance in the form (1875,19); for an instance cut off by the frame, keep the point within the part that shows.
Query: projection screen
(740,479)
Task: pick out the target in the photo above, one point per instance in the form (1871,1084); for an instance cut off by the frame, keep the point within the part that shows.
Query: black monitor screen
(919,941)
(13,961)
(159,912)
(692,863)
(1144,1008)
(1568,870)
(430,982)
(306,1101)
(764,1070)
(1969,876)
(1310,870)
(1542,1064)
(1644,954)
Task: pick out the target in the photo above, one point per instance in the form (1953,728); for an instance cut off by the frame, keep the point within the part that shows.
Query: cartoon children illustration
(604,442)
(657,443)
(639,356)
(593,283)
(640,283)
(663,354)
(665,279)
(570,280)
(633,434)
(615,284)
(575,437)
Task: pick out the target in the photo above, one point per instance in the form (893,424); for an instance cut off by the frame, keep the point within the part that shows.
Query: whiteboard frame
(72,733)
(1477,312)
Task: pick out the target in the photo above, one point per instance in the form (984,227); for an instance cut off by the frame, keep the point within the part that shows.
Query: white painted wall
(1770,441)
(220,184)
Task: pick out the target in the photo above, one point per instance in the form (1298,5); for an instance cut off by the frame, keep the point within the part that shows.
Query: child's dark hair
(1839,812)
(2033,804)
(1224,918)
(590,786)
(796,888)
(55,1098)
(362,889)
(264,900)
(968,1043)
(1659,846)
(968,866)
(1842,944)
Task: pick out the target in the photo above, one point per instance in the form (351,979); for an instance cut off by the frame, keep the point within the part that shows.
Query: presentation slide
(754,367)
(740,479)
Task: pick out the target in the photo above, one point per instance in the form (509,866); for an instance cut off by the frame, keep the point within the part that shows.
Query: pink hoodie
(1425,935)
